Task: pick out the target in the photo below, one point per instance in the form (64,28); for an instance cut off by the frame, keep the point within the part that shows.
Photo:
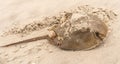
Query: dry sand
(40,52)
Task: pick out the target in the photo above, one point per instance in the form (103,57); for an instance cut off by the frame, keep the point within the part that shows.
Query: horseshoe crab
(81,33)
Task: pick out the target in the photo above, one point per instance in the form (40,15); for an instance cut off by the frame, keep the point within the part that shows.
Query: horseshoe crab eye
(100,36)
(97,34)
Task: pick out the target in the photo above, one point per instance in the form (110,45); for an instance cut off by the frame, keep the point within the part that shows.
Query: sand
(40,52)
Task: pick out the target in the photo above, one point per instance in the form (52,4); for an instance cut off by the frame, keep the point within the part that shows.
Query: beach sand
(41,52)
